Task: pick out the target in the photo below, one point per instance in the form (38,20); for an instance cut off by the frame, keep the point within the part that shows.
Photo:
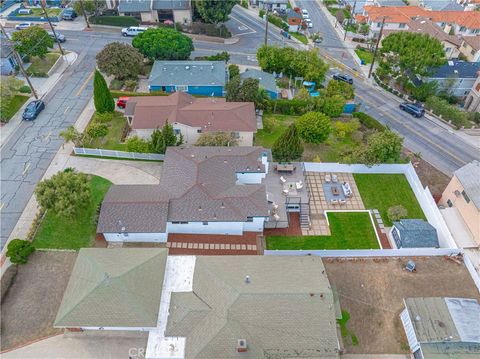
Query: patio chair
(299,185)
(276,217)
(334,201)
(285,192)
(334,178)
(328,179)
(274,206)
(282,179)
(342,202)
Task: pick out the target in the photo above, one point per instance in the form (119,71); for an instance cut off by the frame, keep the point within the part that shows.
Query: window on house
(477,88)
(205,223)
(181,88)
(462,28)
(249,219)
(464,44)
(199,130)
(472,52)
(177,131)
(467,199)
(449,203)
(235,134)
(379,24)
(401,26)
(443,24)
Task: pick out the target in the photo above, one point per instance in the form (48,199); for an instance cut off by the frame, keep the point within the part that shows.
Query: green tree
(303,94)
(71,135)
(333,106)
(233,71)
(417,53)
(169,137)
(233,89)
(397,213)
(18,250)
(214,11)
(425,90)
(248,91)
(288,146)
(120,60)
(137,144)
(314,127)
(157,143)
(102,97)
(89,7)
(64,193)
(382,147)
(216,139)
(163,44)
(32,41)
(335,87)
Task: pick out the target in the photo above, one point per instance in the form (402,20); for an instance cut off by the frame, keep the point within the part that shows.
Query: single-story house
(204,193)
(472,102)
(456,77)
(470,48)
(206,78)
(7,60)
(205,306)
(150,11)
(414,233)
(294,20)
(441,5)
(191,116)
(271,4)
(438,327)
(266,81)
(463,194)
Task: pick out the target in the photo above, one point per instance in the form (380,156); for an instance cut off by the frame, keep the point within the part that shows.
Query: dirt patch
(436,180)
(372,291)
(31,304)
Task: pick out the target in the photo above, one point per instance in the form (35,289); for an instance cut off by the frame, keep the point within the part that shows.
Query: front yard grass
(38,12)
(40,67)
(12,107)
(112,141)
(350,230)
(78,232)
(300,37)
(382,191)
(364,55)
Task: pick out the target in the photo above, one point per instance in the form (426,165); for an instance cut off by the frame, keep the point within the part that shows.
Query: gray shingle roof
(171,4)
(456,69)
(417,233)
(134,5)
(114,288)
(266,80)
(469,177)
(286,309)
(188,73)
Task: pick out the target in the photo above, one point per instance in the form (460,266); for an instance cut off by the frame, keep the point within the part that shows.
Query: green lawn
(364,55)
(346,333)
(382,191)
(12,107)
(266,137)
(60,233)
(300,37)
(350,230)
(112,140)
(40,67)
(38,12)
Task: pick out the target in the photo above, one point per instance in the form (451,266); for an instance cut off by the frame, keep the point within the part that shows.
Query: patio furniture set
(291,188)
(346,189)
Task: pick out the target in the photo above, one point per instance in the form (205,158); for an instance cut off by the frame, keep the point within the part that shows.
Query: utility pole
(84,13)
(349,20)
(51,27)
(266,27)
(19,62)
(376,47)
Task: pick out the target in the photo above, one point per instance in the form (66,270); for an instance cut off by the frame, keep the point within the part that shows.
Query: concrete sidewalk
(42,86)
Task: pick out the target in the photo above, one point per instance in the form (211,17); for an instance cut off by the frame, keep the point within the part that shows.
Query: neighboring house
(266,81)
(202,190)
(8,62)
(396,18)
(442,327)
(270,4)
(150,11)
(205,306)
(472,102)
(294,20)
(414,233)
(206,78)
(441,5)
(463,194)
(360,4)
(191,116)
(455,77)
(470,48)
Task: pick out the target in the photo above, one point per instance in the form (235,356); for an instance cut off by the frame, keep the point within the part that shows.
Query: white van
(133,30)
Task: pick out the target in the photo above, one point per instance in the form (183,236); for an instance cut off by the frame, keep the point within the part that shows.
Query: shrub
(343,129)
(448,112)
(396,213)
(137,144)
(245,4)
(130,85)
(96,130)
(25,89)
(103,117)
(18,250)
(269,124)
(117,94)
(314,127)
(261,13)
(102,97)
(290,107)
(233,71)
(201,28)
(116,84)
(216,139)
(288,146)
(122,21)
(277,21)
(368,121)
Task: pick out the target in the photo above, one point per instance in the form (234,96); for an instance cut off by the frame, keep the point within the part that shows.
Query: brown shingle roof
(473,41)
(426,26)
(210,114)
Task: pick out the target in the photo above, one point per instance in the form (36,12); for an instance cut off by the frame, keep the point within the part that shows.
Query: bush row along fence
(13,17)
(362,253)
(423,195)
(118,154)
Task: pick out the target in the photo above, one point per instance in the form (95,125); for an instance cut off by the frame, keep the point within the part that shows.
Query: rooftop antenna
(247,279)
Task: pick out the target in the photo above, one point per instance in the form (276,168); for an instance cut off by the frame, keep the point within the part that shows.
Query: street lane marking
(48,136)
(413,130)
(1,206)
(66,109)
(26,168)
(241,22)
(84,84)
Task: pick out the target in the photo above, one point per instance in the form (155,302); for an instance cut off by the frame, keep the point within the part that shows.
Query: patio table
(335,191)
(291,188)
(285,168)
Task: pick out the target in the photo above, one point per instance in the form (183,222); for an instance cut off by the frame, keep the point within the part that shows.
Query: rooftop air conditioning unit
(242,345)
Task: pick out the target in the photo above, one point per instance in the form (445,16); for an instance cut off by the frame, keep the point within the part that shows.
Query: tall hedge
(102,97)
(288,147)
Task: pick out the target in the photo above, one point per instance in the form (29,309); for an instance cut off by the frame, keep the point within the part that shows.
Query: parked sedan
(23,25)
(32,110)
(309,23)
(412,109)
(60,37)
(343,77)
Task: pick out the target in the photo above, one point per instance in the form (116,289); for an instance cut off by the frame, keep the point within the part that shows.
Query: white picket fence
(118,154)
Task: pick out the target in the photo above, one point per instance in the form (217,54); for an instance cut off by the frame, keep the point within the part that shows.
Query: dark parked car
(60,37)
(32,110)
(343,77)
(412,109)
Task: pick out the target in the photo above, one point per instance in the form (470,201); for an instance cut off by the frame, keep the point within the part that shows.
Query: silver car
(23,25)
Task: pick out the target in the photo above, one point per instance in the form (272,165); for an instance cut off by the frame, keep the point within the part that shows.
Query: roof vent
(247,279)
(200,208)
(418,318)
(449,338)
(242,345)
(187,67)
(457,193)
(192,155)
(222,205)
(214,215)
(212,67)
(455,71)
(225,161)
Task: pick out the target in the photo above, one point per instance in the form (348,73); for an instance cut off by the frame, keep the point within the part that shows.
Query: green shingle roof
(114,288)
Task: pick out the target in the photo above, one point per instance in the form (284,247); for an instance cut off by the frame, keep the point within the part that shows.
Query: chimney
(242,345)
